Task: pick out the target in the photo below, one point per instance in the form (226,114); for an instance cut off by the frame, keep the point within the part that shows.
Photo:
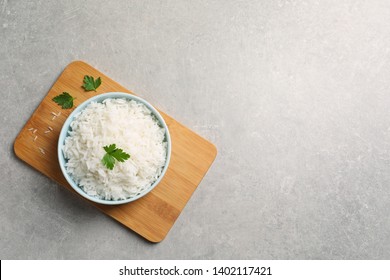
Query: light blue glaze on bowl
(64,134)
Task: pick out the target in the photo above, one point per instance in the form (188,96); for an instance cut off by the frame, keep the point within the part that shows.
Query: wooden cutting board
(151,216)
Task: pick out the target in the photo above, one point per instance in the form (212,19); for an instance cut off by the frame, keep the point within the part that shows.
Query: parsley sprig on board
(112,154)
(90,83)
(65,100)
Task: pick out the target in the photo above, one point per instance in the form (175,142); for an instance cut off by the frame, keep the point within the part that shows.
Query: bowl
(65,132)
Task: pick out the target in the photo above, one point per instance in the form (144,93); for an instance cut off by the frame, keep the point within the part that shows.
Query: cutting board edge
(211,163)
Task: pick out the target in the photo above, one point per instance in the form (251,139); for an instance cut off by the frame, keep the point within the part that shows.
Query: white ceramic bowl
(64,133)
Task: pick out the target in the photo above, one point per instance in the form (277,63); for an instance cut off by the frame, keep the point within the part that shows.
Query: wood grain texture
(151,216)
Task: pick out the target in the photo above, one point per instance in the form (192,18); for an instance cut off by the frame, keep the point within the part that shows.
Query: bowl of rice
(114,148)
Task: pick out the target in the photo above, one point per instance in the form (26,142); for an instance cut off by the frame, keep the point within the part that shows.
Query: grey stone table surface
(295,95)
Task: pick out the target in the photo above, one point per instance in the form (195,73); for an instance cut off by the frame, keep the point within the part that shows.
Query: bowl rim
(64,131)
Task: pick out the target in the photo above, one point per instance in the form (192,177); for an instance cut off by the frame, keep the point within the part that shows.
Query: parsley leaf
(112,154)
(90,83)
(65,100)
(108,161)
(110,149)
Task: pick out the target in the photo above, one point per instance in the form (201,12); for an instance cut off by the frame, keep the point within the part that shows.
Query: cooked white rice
(132,127)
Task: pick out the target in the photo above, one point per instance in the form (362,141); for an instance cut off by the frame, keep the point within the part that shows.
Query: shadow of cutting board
(151,216)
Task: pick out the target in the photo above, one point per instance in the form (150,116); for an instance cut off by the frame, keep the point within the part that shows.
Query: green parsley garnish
(112,154)
(90,83)
(65,100)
